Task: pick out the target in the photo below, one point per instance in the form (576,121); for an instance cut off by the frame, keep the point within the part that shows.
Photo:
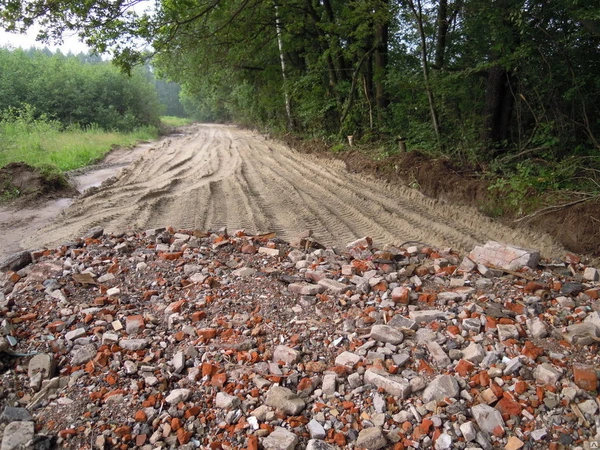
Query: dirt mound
(576,227)
(23,185)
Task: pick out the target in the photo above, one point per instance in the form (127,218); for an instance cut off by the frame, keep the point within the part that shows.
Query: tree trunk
(381,62)
(288,106)
(442,31)
(418,14)
(498,107)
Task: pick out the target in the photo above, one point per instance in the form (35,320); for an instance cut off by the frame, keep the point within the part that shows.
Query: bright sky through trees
(70,44)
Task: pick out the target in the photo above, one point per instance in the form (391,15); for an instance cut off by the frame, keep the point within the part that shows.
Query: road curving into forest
(210,176)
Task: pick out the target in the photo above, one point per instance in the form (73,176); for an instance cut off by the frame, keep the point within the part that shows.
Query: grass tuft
(172,121)
(42,143)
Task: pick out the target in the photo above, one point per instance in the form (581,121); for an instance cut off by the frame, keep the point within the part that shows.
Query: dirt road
(213,176)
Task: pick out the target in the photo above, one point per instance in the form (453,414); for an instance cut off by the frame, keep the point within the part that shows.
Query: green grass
(42,142)
(172,121)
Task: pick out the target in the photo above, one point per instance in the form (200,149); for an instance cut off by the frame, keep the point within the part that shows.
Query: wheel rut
(216,175)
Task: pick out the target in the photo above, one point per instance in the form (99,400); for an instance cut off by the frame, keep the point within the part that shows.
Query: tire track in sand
(217,175)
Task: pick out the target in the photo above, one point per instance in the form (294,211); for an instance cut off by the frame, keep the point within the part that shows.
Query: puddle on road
(16,224)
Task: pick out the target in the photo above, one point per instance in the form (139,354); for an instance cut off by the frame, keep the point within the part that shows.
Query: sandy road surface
(213,176)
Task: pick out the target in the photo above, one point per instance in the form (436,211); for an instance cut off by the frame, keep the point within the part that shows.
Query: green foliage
(171,121)
(42,143)
(514,87)
(71,91)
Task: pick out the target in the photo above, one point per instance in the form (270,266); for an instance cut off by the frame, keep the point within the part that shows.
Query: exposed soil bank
(576,227)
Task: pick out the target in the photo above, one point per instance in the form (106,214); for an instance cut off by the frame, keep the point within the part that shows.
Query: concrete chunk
(386,333)
(280,439)
(285,400)
(504,256)
(391,384)
(488,419)
(333,286)
(441,387)
(17,435)
(428,315)
(438,354)
(371,438)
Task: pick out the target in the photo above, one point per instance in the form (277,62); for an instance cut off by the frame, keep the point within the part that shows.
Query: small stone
(110,338)
(333,286)
(546,374)
(589,407)
(427,316)
(539,434)
(488,419)
(441,387)
(17,435)
(285,354)
(512,366)
(280,439)
(178,395)
(403,323)
(591,274)
(285,400)
(75,334)
(386,333)
(226,401)
(112,292)
(315,444)
(468,431)
(305,288)
(443,442)
(473,353)
(347,359)
(178,362)
(244,272)
(472,325)
(316,430)
(537,328)
(133,344)
(42,363)
(83,354)
(329,384)
(371,438)
(507,332)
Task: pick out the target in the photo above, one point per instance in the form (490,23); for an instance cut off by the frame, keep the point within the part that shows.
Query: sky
(71,43)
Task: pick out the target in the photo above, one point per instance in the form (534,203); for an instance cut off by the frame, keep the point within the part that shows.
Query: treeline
(477,79)
(79,90)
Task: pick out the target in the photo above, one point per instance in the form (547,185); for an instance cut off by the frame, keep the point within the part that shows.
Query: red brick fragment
(585,377)
(170,257)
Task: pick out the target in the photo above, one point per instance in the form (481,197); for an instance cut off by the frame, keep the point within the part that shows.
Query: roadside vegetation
(43,142)
(60,113)
(172,121)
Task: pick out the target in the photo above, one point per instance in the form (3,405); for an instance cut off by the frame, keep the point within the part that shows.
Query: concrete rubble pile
(166,339)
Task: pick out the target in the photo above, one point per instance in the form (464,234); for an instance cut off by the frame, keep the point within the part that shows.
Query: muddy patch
(22,185)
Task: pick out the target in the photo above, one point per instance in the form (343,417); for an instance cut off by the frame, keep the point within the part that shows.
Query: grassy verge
(172,121)
(42,143)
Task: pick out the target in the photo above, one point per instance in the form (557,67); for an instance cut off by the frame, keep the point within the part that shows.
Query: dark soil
(576,227)
(22,185)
